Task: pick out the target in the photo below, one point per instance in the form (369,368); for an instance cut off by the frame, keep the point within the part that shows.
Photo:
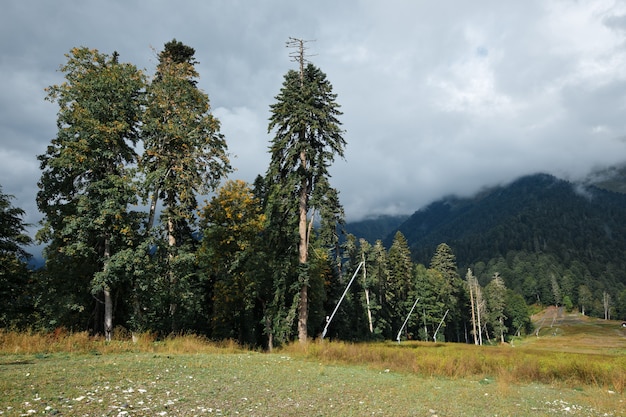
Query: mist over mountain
(538,226)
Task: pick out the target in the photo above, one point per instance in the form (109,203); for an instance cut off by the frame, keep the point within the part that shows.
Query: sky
(438,98)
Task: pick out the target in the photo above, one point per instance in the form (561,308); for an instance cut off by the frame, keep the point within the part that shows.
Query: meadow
(574,368)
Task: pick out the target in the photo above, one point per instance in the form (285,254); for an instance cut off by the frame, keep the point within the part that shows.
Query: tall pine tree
(307,139)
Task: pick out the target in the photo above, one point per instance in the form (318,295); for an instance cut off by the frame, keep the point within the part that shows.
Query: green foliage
(399,289)
(16,289)
(231,224)
(529,230)
(307,138)
(184,154)
(495,295)
(86,187)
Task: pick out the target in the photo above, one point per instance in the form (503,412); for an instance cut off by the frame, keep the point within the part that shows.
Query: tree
(556,290)
(231,224)
(14,275)
(184,154)
(378,278)
(86,186)
(516,311)
(473,288)
(585,298)
(451,288)
(400,286)
(307,138)
(495,293)
(606,304)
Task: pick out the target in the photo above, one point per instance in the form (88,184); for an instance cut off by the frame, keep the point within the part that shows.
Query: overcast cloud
(438,97)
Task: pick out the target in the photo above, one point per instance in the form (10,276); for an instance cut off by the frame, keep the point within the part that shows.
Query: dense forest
(130,249)
(552,241)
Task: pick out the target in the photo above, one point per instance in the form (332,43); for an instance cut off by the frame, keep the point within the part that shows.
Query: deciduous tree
(184,155)
(86,187)
(231,223)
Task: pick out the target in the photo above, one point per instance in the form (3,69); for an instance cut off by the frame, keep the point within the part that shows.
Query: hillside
(536,214)
(531,230)
(375,228)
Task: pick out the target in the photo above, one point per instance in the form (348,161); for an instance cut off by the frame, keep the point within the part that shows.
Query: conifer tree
(474,289)
(378,278)
(443,263)
(400,284)
(14,275)
(495,293)
(307,137)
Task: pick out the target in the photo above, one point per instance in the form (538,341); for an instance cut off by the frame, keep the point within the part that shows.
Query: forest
(129,248)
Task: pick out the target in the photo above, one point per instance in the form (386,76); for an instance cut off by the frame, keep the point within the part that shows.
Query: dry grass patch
(13,342)
(457,361)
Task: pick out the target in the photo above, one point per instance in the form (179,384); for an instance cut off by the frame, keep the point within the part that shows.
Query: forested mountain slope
(375,228)
(536,215)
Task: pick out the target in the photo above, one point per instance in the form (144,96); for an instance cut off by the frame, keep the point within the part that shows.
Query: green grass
(577,367)
(257,384)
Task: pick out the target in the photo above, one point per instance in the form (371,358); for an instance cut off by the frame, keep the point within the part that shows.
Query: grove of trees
(128,246)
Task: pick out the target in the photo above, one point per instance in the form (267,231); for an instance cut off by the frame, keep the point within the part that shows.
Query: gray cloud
(437,98)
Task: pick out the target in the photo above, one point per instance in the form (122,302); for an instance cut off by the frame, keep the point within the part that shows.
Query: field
(575,367)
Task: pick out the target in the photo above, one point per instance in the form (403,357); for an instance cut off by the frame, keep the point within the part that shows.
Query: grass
(257,384)
(576,368)
(521,365)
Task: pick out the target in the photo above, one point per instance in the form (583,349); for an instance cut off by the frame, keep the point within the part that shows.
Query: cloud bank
(438,99)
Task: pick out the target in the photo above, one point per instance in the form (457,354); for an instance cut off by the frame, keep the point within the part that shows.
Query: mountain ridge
(579,226)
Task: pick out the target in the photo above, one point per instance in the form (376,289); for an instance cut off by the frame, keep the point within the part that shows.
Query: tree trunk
(480,329)
(471,285)
(108,314)
(108,302)
(153,206)
(270,334)
(171,241)
(303,252)
(606,302)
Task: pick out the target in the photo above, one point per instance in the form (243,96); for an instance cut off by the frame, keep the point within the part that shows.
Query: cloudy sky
(438,98)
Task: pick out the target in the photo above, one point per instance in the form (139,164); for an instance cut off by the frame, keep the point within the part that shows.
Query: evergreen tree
(86,186)
(15,296)
(474,289)
(444,263)
(307,138)
(400,285)
(585,298)
(495,294)
(378,278)
(184,155)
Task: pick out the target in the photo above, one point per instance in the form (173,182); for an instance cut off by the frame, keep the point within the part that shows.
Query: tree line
(129,246)
(550,242)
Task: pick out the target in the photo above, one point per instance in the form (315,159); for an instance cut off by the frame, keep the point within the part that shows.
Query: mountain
(375,228)
(539,232)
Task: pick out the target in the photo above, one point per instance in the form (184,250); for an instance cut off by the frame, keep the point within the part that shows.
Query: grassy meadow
(574,367)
